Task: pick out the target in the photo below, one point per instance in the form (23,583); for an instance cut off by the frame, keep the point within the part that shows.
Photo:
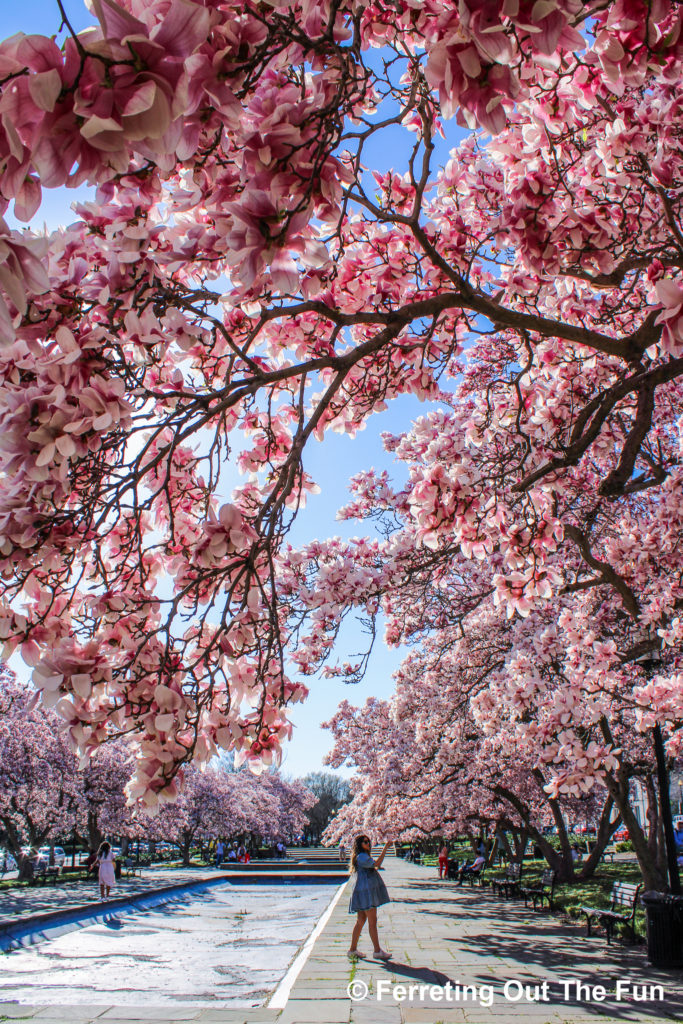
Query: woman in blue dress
(369,893)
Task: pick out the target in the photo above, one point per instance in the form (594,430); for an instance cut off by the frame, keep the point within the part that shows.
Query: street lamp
(650,662)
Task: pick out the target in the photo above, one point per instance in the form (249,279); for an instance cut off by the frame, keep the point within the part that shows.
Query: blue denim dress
(369,890)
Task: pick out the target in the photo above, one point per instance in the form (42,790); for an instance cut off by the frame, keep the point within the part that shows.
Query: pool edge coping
(15,933)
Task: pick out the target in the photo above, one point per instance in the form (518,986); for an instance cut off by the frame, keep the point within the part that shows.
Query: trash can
(664,915)
(118,863)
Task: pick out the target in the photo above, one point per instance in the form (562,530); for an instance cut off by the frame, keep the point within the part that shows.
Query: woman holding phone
(369,893)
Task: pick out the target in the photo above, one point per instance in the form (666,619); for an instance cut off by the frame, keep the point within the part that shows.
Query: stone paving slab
(83,1011)
(440,935)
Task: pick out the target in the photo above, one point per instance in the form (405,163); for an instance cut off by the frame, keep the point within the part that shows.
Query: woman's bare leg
(358,928)
(372,928)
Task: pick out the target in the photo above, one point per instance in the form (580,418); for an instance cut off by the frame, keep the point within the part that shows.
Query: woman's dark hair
(357,848)
(104,849)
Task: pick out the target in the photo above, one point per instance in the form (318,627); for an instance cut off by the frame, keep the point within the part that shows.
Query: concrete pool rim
(33,928)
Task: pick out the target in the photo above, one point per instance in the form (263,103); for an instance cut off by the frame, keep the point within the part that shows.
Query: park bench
(624,895)
(509,884)
(478,877)
(544,890)
(131,868)
(610,854)
(44,873)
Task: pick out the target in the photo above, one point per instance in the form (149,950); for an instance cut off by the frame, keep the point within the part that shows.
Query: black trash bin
(664,915)
(118,863)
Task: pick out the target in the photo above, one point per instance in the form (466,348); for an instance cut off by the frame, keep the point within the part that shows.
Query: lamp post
(667,820)
(650,663)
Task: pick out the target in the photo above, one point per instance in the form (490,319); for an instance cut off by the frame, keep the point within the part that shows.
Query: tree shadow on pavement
(565,961)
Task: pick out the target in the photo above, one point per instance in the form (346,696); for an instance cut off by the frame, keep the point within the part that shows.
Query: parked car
(44,856)
(621,834)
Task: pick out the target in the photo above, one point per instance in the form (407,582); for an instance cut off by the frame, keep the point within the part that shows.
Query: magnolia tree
(242,282)
(294,801)
(38,792)
(103,810)
(220,803)
(206,807)
(45,795)
(331,792)
(551,682)
(427,768)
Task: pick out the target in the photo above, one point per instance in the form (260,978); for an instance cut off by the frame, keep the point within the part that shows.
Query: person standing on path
(443,861)
(105,863)
(369,893)
(219,852)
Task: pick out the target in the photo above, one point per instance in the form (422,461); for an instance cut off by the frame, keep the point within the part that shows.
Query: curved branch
(609,575)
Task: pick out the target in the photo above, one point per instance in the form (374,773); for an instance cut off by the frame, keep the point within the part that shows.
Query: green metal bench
(624,895)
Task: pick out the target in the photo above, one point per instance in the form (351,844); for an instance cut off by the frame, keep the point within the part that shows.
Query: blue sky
(331,464)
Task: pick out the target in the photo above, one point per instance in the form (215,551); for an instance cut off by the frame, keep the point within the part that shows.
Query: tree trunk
(604,834)
(520,838)
(565,873)
(36,836)
(618,786)
(95,835)
(655,840)
(25,868)
(186,848)
(653,878)
(503,841)
(554,859)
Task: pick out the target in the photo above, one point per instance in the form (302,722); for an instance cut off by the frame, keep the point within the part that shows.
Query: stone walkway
(442,938)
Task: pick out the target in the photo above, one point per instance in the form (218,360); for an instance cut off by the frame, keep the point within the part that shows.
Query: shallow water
(230,945)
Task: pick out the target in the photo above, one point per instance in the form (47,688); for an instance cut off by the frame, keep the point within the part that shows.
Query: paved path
(439,934)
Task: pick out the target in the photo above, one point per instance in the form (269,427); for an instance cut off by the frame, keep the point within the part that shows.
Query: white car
(44,855)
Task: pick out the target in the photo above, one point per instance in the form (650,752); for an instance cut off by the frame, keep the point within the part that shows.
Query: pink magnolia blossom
(242,282)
